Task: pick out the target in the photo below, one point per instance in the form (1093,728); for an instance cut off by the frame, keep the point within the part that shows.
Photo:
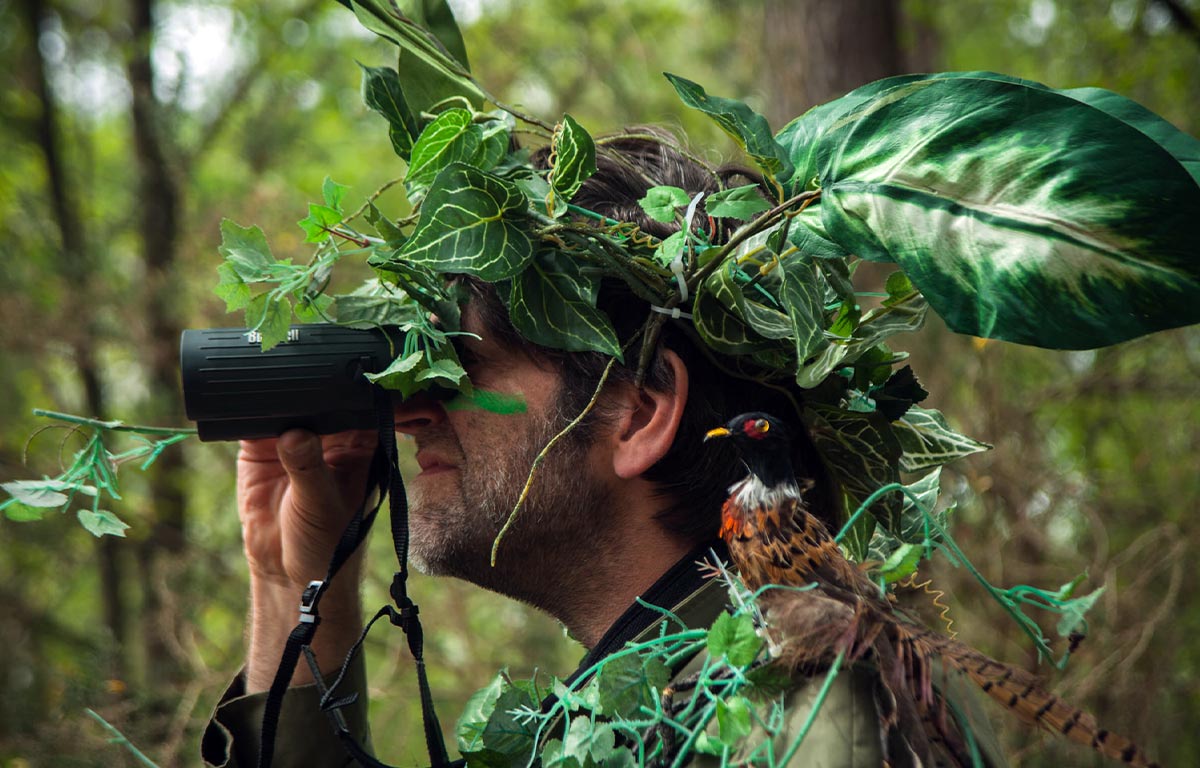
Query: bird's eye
(762,425)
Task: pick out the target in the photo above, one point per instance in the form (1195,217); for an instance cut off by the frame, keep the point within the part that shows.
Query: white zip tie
(674,312)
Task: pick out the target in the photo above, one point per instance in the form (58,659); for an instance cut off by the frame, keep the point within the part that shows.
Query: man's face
(474,464)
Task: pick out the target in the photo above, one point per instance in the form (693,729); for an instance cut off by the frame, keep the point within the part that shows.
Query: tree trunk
(77,270)
(160,555)
(817,50)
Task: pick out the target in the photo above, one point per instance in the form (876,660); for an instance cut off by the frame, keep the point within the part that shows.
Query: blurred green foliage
(1095,465)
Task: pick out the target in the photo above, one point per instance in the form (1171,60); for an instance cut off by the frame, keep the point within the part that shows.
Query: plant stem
(122,740)
(113,426)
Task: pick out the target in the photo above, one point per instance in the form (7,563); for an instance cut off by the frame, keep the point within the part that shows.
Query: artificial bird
(773,539)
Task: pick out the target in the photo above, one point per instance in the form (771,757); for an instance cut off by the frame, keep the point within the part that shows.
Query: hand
(295,496)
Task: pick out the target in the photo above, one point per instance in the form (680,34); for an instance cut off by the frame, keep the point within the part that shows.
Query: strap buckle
(308,602)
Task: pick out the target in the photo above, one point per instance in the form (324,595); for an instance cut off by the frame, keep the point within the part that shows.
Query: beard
(455,518)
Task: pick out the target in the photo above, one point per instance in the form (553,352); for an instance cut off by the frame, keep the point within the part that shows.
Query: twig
(120,738)
(113,426)
(512,517)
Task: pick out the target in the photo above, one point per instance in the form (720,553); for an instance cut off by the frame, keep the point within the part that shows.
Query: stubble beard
(544,551)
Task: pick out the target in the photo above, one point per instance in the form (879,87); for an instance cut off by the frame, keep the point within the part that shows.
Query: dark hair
(695,477)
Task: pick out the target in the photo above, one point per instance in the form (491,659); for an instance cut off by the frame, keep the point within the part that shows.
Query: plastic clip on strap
(385,478)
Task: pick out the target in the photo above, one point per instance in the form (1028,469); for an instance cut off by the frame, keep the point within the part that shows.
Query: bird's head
(764,444)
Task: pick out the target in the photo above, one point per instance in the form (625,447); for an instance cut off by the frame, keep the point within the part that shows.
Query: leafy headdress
(1052,218)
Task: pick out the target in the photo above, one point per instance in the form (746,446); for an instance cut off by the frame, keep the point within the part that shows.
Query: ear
(648,421)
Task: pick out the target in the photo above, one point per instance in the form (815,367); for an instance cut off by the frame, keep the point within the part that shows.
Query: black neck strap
(383,480)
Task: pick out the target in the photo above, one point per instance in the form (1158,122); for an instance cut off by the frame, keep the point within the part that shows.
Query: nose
(418,412)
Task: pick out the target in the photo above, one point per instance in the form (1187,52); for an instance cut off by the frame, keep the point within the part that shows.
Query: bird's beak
(718,432)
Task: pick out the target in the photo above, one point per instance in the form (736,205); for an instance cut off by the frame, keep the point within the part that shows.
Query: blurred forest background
(131,127)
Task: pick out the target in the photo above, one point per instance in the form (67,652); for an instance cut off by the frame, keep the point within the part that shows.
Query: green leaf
(737,203)
(401,375)
(871,329)
(748,128)
(552,303)
(38,493)
(660,203)
(902,563)
(630,682)
(1073,613)
(318,222)
(375,305)
(734,638)
(505,732)
(313,309)
(803,297)
(574,155)
(733,720)
(861,452)
(471,222)
(22,513)
(246,249)
(928,441)
(1072,228)
(271,317)
(382,92)
(101,523)
(452,137)
(231,288)
(385,227)
(469,728)
(914,514)
(588,740)
(433,59)
(332,193)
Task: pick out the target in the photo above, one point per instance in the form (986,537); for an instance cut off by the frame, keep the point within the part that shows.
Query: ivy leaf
(231,288)
(469,729)
(733,720)
(246,249)
(748,128)
(737,203)
(574,155)
(401,375)
(660,203)
(452,137)
(318,222)
(553,304)
(382,92)
(313,309)
(734,638)
(587,740)
(45,493)
(332,193)
(271,317)
(928,441)
(629,682)
(506,733)
(470,223)
(101,523)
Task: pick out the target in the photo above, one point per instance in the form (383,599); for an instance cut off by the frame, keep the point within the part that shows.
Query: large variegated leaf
(929,442)
(803,297)
(383,93)
(553,303)
(471,223)
(748,128)
(1020,212)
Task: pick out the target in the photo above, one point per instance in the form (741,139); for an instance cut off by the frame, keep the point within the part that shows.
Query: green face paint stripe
(495,402)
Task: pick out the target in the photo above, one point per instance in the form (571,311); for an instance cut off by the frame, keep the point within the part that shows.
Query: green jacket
(845,732)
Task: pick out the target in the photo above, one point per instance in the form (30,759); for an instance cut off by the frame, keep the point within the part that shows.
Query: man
(622,508)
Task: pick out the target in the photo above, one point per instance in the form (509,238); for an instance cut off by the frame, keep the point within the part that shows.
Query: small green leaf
(505,732)
(313,309)
(469,729)
(385,227)
(318,222)
(452,137)
(38,493)
(928,441)
(382,92)
(574,158)
(748,128)
(734,638)
(901,563)
(271,317)
(232,288)
(708,745)
(1073,613)
(101,523)
(332,192)
(246,249)
(737,203)
(471,222)
(660,203)
(21,513)
(898,287)
(628,683)
(733,720)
